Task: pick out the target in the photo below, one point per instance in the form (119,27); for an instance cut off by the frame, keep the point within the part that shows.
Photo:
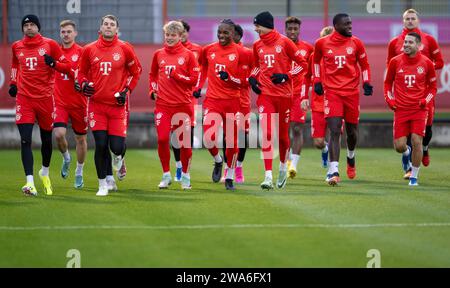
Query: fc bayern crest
(159,115)
(213,55)
(232,57)
(42,51)
(75,58)
(349,50)
(261,109)
(420,70)
(180,61)
(116,56)
(278,49)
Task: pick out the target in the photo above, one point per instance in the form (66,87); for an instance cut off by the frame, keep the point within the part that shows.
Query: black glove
(87,89)
(278,78)
(318,88)
(223,75)
(254,83)
(77,86)
(49,60)
(121,97)
(12,90)
(368,89)
(197,93)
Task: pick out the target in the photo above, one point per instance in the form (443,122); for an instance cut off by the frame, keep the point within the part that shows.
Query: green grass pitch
(307,224)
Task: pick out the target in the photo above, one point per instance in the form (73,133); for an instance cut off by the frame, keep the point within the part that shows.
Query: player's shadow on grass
(156,195)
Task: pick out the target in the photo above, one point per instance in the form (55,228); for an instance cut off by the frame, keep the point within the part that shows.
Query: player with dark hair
(338,55)
(292,27)
(34,61)
(409,87)
(429,48)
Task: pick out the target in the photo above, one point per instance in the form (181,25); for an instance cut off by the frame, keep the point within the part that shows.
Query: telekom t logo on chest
(31,62)
(105,67)
(269,59)
(410,80)
(219,67)
(339,60)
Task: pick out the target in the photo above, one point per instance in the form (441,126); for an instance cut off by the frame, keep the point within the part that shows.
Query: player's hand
(197,93)
(12,90)
(153,95)
(304,105)
(87,88)
(121,97)
(423,103)
(318,88)
(49,60)
(255,85)
(368,89)
(278,78)
(77,86)
(392,105)
(223,75)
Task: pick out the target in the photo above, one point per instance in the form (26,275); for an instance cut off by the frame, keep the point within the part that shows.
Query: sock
(109,178)
(408,150)
(334,167)
(167,174)
(186,175)
(218,158)
(325,149)
(283,166)
(230,174)
(178,164)
(414,172)
(294,160)
(239,164)
(66,156)
(79,170)
(425,148)
(350,153)
(45,171)
(225,166)
(268,173)
(102,182)
(30,179)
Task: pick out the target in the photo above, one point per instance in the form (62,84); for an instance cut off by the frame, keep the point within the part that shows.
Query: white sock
(218,158)
(187,175)
(408,150)
(102,183)
(425,148)
(45,171)
(79,170)
(225,166)
(414,172)
(178,164)
(109,178)
(350,153)
(239,164)
(325,149)
(294,159)
(167,174)
(283,166)
(30,179)
(268,174)
(230,174)
(334,167)
(66,156)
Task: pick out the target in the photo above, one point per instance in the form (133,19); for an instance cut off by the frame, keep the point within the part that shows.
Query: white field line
(219,226)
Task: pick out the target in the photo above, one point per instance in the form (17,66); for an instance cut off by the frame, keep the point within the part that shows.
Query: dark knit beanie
(33,19)
(264,19)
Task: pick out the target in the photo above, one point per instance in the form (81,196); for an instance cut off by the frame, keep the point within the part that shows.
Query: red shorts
(297,114)
(78,117)
(168,118)
(430,117)
(110,118)
(318,124)
(346,107)
(409,121)
(245,115)
(29,110)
